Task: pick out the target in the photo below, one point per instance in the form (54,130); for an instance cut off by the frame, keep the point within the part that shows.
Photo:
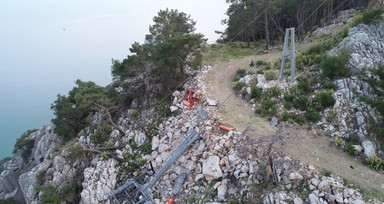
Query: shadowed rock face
(9,187)
(21,186)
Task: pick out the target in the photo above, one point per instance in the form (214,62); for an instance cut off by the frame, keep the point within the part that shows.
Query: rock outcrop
(318,189)
(22,186)
(98,182)
(366,45)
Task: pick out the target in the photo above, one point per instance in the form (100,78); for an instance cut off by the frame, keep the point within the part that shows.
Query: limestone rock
(222,191)
(298,200)
(358,202)
(295,176)
(211,102)
(324,185)
(155,142)
(114,134)
(163,147)
(313,199)
(140,138)
(211,168)
(274,121)
(176,93)
(58,163)
(98,182)
(173,108)
(135,104)
(246,79)
(369,148)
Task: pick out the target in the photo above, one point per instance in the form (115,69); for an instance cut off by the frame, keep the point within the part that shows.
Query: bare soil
(309,146)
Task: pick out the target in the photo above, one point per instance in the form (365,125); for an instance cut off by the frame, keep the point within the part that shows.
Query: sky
(46,45)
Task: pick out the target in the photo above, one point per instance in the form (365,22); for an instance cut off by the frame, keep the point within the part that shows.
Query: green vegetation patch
(237,86)
(256,92)
(270,75)
(335,67)
(24,144)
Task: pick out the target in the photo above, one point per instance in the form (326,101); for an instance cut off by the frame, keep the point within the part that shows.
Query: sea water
(47,45)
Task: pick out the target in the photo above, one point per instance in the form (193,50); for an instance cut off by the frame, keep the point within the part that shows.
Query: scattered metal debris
(134,193)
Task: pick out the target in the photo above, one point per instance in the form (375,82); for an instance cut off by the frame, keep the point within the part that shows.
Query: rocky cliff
(223,166)
(366,46)
(19,178)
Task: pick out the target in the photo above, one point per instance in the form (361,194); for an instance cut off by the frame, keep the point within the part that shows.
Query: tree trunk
(266,30)
(300,21)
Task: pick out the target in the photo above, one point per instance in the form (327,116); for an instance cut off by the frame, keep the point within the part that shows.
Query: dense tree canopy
(251,20)
(159,65)
(72,111)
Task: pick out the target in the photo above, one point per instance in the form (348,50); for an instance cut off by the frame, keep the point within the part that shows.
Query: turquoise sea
(46,45)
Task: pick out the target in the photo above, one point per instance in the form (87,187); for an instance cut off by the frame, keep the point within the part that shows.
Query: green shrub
(289,97)
(325,98)
(350,148)
(319,49)
(75,152)
(301,102)
(375,162)
(312,58)
(315,105)
(146,147)
(378,129)
(331,114)
(274,91)
(354,139)
(259,72)
(72,112)
(312,116)
(50,194)
(305,86)
(8,201)
(40,177)
(252,64)
(256,92)
(135,162)
(267,108)
(339,142)
(299,119)
(261,62)
(99,137)
(241,72)
(135,113)
(350,142)
(285,116)
(25,144)
(104,156)
(270,75)
(326,173)
(368,16)
(237,86)
(335,67)
(329,85)
(287,105)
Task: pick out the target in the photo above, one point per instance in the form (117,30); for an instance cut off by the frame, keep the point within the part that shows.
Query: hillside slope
(311,147)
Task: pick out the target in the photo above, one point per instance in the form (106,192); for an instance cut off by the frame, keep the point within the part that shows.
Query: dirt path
(297,142)
(234,111)
(313,147)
